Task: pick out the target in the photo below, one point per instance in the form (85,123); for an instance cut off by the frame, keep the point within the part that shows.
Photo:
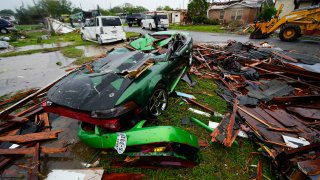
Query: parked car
(6,26)
(155,20)
(9,18)
(134,19)
(128,85)
(103,29)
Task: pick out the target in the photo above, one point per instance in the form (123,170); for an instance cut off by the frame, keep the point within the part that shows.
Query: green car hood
(100,90)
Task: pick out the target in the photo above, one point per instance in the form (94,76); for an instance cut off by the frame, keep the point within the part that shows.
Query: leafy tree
(167,8)
(7,12)
(76,10)
(159,8)
(197,10)
(56,7)
(267,13)
(128,8)
(106,12)
(116,9)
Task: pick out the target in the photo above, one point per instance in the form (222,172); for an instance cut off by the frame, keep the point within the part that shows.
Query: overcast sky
(105,4)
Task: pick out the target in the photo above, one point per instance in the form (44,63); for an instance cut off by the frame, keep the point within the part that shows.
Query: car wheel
(83,38)
(130,25)
(290,32)
(4,31)
(165,29)
(150,27)
(99,40)
(158,102)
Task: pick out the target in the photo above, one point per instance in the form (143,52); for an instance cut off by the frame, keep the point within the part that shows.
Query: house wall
(248,14)
(288,6)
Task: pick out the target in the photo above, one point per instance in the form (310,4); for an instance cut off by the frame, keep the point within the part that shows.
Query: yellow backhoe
(304,21)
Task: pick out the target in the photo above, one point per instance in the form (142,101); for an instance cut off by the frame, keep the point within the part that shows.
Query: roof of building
(247,3)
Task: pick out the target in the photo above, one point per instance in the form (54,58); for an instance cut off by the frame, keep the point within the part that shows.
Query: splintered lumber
(33,174)
(31,150)
(31,137)
(17,97)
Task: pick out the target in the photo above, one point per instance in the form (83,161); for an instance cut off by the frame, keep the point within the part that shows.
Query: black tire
(158,101)
(165,29)
(130,25)
(83,38)
(290,32)
(4,31)
(139,24)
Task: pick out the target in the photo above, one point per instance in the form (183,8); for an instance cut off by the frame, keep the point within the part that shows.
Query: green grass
(29,27)
(217,161)
(200,28)
(72,52)
(69,51)
(82,60)
(20,53)
(32,39)
(132,34)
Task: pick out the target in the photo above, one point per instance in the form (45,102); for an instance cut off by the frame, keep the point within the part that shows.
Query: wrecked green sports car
(130,83)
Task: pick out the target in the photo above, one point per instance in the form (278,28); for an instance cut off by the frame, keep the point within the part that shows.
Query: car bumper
(123,121)
(163,25)
(112,38)
(138,135)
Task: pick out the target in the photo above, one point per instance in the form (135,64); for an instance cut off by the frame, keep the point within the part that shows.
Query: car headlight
(114,112)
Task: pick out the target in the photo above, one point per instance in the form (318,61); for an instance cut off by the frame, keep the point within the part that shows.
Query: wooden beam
(31,137)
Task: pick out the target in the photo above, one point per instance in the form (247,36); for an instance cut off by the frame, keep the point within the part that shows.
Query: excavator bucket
(257,33)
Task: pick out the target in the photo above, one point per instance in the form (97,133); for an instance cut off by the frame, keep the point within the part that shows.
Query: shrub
(211,21)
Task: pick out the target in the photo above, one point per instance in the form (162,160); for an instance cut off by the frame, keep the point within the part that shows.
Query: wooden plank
(31,137)
(33,174)
(45,150)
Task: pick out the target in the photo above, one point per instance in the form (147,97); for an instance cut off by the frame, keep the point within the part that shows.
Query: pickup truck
(134,19)
(103,29)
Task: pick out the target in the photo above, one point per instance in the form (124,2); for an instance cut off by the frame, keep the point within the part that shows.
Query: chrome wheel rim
(158,102)
(190,59)
(3,31)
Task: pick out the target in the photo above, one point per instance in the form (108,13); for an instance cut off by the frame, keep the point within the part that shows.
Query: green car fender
(138,135)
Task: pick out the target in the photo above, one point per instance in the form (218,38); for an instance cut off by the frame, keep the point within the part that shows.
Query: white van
(103,29)
(149,21)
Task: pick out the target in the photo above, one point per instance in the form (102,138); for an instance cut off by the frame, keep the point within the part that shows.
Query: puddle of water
(28,71)
(33,47)
(96,50)
(93,50)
